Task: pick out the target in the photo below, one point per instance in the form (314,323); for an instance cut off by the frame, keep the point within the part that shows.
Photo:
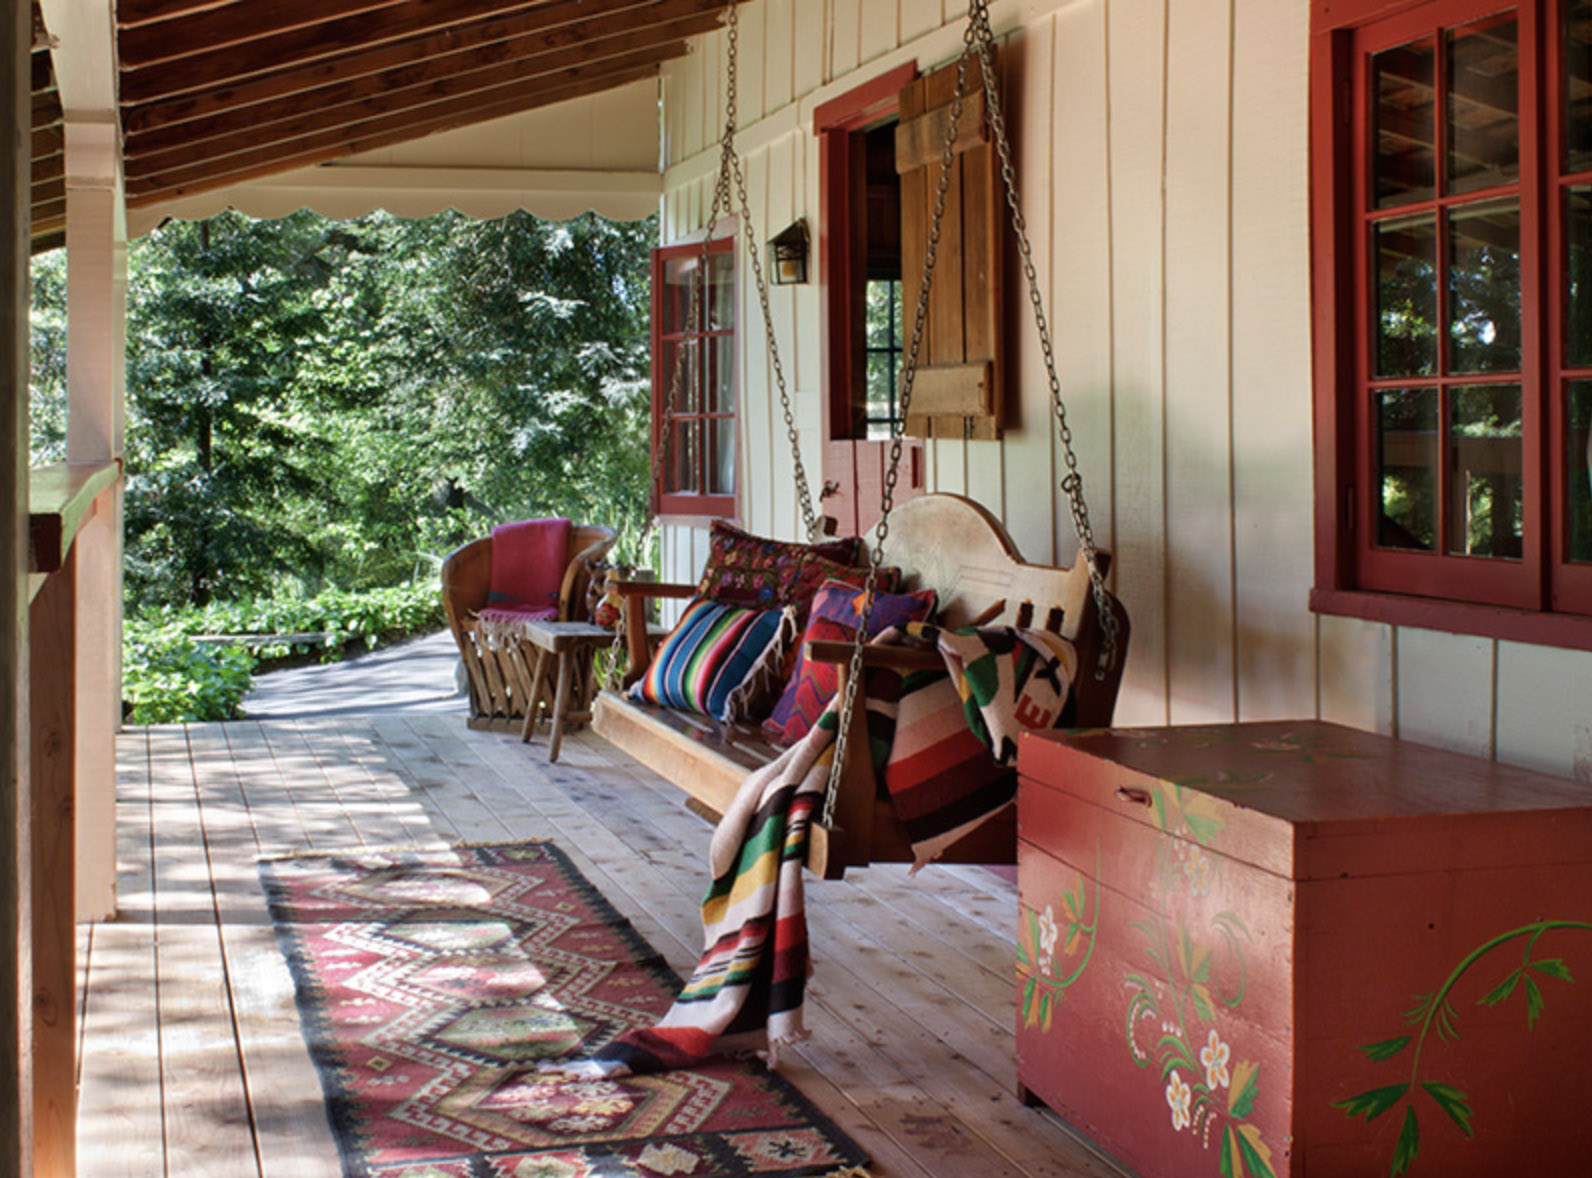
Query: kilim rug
(431,984)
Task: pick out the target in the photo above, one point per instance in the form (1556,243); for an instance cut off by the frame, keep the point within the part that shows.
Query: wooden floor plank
(284,1089)
(208,1127)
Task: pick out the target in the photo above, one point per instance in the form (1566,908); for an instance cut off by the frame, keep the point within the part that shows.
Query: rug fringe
(411,849)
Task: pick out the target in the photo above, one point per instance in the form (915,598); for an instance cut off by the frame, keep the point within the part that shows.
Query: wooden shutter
(958,389)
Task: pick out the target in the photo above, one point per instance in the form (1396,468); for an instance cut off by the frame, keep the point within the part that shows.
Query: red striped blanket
(945,741)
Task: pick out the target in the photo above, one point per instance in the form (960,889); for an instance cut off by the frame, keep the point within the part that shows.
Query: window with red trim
(693,379)
(1452,175)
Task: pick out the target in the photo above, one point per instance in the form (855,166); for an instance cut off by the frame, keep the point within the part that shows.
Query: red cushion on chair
(528,563)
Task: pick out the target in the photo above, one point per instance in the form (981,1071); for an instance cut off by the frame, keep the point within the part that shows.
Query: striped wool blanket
(945,742)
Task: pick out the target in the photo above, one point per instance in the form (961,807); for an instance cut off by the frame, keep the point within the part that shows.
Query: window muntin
(693,379)
(882,352)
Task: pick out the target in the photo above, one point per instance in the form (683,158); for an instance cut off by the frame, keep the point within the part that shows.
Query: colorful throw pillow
(720,660)
(836,611)
(752,571)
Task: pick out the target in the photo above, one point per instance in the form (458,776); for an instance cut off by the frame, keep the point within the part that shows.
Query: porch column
(16,948)
(96,258)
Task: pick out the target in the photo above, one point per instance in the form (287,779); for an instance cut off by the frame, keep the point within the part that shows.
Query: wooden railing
(61,499)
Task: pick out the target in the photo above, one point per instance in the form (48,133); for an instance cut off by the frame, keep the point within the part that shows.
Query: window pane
(1483,105)
(1406,123)
(1578,85)
(1578,278)
(721,378)
(1406,292)
(721,292)
(1407,457)
(721,455)
(682,460)
(1484,458)
(882,331)
(1579,466)
(680,391)
(678,274)
(881,391)
(1484,288)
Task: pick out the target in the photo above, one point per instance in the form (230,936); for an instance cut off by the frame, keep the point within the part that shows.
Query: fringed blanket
(946,743)
(528,562)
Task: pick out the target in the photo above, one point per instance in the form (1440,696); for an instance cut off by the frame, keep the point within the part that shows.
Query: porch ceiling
(218,93)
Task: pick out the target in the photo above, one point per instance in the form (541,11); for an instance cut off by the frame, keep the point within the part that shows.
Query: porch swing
(937,541)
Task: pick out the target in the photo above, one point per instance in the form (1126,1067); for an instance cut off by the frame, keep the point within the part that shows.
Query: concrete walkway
(406,678)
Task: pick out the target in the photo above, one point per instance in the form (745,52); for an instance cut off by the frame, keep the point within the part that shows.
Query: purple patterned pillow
(757,573)
(836,611)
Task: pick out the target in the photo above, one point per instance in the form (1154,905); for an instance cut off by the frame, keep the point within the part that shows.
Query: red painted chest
(1302,949)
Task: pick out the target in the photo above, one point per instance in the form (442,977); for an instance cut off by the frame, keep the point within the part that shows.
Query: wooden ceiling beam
(318,51)
(332,124)
(217,27)
(41,68)
(353,101)
(473,46)
(48,140)
(144,190)
(131,13)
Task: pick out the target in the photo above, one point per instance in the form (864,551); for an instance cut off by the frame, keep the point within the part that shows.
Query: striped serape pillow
(721,660)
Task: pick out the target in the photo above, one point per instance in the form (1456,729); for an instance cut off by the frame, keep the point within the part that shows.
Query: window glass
(1484,287)
(1405,123)
(1578,85)
(721,292)
(1407,458)
(1406,290)
(721,459)
(1483,105)
(1484,461)
(684,461)
(1578,277)
(1578,455)
(721,379)
(882,368)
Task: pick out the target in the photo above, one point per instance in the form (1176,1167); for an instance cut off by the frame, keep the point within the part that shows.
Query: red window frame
(1542,597)
(672,501)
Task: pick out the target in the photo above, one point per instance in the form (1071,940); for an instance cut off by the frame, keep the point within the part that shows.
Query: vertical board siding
(1136,79)
(1356,674)
(778,46)
(1026,466)
(1272,490)
(1198,391)
(1080,309)
(1544,720)
(1445,689)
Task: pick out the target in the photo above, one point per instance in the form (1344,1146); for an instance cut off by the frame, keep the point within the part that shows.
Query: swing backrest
(956,547)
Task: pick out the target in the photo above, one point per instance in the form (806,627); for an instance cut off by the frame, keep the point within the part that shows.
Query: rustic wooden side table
(1302,949)
(569,647)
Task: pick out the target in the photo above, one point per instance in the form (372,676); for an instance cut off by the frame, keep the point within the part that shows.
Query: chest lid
(1311,800)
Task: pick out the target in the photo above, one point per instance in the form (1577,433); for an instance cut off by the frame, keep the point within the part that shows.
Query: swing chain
(909,369)
(982,37)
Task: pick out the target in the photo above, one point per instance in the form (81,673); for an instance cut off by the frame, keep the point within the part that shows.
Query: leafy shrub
(168,676)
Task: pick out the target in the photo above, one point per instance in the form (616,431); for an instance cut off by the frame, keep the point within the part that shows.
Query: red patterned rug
(432,984)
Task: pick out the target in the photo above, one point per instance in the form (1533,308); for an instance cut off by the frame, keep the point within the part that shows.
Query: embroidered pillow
(719,661)
(748,570)
(836,611)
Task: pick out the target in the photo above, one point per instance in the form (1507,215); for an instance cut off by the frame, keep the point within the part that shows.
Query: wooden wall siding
(1162,159)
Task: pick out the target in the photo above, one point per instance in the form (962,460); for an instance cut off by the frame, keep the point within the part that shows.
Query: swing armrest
(633,597)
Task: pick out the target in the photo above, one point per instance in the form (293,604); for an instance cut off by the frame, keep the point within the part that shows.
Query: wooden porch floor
(192,1061)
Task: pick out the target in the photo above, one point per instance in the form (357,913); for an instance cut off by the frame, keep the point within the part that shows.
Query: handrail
(60,499)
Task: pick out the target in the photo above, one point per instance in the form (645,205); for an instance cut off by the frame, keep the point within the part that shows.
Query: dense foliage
(318,408)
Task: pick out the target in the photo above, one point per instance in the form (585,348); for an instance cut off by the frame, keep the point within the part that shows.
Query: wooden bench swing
(939,541)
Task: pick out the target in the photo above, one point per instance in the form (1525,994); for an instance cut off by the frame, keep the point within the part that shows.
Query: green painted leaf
(1386,1049)
(1202,1002)
(1373,1102)
(1245,1078)
(1231,1167)
(1409,1144)
(1445,1020)
(1502,990)
(1029,988)
(1047,1007)
(1255,1154)
(1416,1013)
(1554,967)
(1452,1101)
(1534,1003)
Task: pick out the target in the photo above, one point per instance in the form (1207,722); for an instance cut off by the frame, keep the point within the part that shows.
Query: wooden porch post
(16,949)
(96,252)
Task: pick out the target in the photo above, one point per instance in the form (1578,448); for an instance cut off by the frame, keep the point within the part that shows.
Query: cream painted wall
(1164,177)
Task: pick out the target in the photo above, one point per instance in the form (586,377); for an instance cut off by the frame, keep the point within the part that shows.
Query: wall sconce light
(787,255)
